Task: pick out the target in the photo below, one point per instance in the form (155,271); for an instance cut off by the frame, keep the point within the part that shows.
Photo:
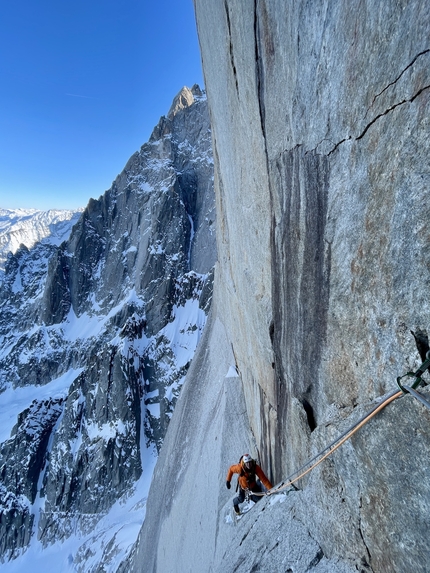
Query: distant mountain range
(98,329)
(30,226)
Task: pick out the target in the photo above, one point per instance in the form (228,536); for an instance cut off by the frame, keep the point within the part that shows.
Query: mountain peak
(183,99)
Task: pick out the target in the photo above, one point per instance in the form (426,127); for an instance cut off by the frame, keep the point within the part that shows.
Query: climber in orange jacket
(248,471)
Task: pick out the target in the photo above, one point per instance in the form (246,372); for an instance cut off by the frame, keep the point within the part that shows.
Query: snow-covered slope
(30,226)
(97,336)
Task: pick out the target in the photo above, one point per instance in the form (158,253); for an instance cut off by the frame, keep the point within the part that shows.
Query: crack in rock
(365,563)
(397,79)
(391,109)
(233,65)
(374,120)
(258,70)
(337,145)
(316,559)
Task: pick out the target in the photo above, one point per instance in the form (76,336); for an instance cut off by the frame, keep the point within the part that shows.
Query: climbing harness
(328,450)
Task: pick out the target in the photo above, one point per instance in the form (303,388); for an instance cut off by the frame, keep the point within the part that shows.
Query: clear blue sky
(82,84)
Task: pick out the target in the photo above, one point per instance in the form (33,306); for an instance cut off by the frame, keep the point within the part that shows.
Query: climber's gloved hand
(227,483)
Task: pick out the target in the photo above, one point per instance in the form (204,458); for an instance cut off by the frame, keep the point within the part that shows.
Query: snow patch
(185,330)
(106,432)
(13,401)
(90,325)
(232,372)
(154,409)
(30,226)
(119,527)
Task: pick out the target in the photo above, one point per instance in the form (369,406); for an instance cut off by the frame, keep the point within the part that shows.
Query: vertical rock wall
(243,204)
(320,123)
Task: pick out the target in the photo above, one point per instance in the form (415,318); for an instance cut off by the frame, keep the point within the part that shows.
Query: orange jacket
(244,476)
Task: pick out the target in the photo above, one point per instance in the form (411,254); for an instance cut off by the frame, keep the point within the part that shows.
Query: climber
(248,471)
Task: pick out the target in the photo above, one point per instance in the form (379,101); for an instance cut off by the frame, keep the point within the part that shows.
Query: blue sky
(83,83)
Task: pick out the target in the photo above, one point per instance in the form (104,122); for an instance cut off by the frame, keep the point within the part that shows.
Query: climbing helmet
(247,461)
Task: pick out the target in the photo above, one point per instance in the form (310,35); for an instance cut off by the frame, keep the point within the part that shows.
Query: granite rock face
(98,334)
(320,127)
(330,103)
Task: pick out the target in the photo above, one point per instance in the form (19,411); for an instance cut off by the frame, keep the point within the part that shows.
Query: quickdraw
(417,375)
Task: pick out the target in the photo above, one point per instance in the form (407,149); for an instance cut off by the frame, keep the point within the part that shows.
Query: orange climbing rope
(328,450)
(334,445)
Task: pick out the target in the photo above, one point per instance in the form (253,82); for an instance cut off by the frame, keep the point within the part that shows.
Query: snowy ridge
(30,226)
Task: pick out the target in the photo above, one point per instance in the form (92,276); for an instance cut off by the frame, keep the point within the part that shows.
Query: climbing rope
(328,450)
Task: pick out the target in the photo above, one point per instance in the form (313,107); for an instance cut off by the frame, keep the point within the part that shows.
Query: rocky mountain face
(30,226)
(320,126)
(97,336)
